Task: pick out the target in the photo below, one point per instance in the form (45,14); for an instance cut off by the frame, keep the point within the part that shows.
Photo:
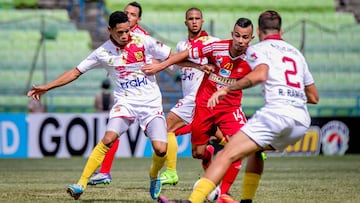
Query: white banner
(66,135)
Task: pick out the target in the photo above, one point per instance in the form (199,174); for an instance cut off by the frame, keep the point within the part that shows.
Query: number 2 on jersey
(291,70)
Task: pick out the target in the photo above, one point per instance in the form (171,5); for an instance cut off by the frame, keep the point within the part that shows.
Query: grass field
(286,179)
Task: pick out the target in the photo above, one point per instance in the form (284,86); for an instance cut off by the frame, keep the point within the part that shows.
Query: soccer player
(134,11)
(181,114)
(137,96)
(288,86)
(228,57)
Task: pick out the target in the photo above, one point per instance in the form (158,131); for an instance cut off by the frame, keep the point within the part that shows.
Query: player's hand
(150,69)
(36,92)
(216,97)
(207,68)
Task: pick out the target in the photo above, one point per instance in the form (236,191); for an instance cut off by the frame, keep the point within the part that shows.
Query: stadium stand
(326,32)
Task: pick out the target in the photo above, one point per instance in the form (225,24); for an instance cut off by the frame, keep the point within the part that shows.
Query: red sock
(230,177)
(207,157)
(109,158)
(183,130)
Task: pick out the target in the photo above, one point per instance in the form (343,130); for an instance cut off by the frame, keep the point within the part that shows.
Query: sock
(230,177)
(250,184)
(207,157)
(109,157)
(96,157)
(201,190)
(183,130)
(171,152)
(158,163)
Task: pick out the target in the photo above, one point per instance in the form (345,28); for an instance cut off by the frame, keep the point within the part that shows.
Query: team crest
(139,56)
(334,138)
(219,60)
(252,57)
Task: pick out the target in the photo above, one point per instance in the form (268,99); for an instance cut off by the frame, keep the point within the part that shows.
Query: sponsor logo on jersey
(139,56)
(335,138)
(224,81)
(134,83)
(224,73)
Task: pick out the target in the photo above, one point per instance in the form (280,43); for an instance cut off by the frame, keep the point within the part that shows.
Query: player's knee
(109,138)
(160,149)
(160,152)
(197,155)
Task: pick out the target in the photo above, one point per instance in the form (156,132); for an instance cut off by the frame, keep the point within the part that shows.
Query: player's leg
(114,128)
(238,147)
(229,125)
(169,176)
(104,176)
(253,171)
(156,131)
(201,129)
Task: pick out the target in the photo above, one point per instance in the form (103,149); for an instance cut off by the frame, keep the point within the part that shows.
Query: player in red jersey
(134,11)
(228,56)
(287,86)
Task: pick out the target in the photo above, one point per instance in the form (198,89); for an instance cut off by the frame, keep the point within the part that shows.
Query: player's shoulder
(207,39)
(107,47)
(139,30)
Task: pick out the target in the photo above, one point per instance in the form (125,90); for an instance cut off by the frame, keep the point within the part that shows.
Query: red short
(205,122)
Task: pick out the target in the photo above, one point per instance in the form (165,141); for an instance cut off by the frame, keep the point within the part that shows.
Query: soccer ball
(214,195)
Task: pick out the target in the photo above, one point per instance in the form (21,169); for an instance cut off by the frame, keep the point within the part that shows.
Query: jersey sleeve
(308,78)
(92,61)
(157,49)
(254,56)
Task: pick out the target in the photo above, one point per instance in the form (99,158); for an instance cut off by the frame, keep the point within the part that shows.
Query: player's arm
(63,79)
(207,68)
(151,69)
(312,94)
(255,77)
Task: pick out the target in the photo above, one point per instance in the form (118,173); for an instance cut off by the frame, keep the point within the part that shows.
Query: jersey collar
(275,36)
(202,34)
(117,44)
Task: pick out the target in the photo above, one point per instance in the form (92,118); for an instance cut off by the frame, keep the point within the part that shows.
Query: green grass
(286,179)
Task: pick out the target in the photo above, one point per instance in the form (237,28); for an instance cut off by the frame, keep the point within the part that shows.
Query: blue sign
(13,135)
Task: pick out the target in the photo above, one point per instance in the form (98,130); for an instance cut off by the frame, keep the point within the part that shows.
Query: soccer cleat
(206,163)
(155,188)
(169,177)
(163,199)
(75,190)
(226,198)
(100,178)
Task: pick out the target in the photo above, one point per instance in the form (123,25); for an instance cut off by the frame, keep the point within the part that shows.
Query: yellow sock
(201,191)
(158,163)
(95,159)
(171,152)
(250,184)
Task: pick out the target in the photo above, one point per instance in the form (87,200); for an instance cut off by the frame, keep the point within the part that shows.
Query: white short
(268,128)
(184,109)
(143,114)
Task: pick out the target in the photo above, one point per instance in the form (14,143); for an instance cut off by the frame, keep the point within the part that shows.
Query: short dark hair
(117,17)
(192,9)
(269,20)
(244,22)
(137,5)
